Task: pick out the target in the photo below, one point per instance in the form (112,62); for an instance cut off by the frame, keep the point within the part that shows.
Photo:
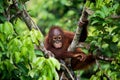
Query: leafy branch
(77,35)
(30,24)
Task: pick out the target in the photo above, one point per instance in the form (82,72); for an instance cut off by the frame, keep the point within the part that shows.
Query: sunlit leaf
(94,22)
(99,73)
(118,44)
(2,46)
(116,6)
(115,38)
(93,77)
(100,14)
(105,45)
(55,62)
(8,28)
(17,57)
(1,28)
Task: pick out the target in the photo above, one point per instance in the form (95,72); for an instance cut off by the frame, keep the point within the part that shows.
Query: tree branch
(30,24)
(77,35)
(103,58)
(67,71)
(98,55)
(76,38)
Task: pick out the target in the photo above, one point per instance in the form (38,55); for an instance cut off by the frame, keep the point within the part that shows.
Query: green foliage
(8,11)
(44,68)
(104,75)
(104,33)
(18,59)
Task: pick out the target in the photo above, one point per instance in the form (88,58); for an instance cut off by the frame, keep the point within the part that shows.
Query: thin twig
(108,78)
(104,58)
(98,55)
(97,63)
(67,71)
(99,68)
(61,78)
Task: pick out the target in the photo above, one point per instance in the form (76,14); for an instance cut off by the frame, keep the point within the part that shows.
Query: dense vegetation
(19,60)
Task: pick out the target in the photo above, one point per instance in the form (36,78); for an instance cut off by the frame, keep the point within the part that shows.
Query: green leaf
(87,3)
(20,6)
(92,5)
(8,28)
(2,46)
(24,51)
(56,75)
(85,51)
(94,22)
(23,69)
(17,57)
(105,10)
(2,18)
(116,6)
(115,38)
(49,74)
(33,37)
(54,72)
(1,28)
(43,78)
(39,53)
(70,12)
(105,45)
(55,62)
(100,14)
(99,73)
(118,44)
(36,36)
(39,61)
(93,77)
(104,78)
(32,72)
(14,45)
(1,6)
(9,66)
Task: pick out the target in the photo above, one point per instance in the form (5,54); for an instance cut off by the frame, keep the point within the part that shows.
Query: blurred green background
(64,13)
